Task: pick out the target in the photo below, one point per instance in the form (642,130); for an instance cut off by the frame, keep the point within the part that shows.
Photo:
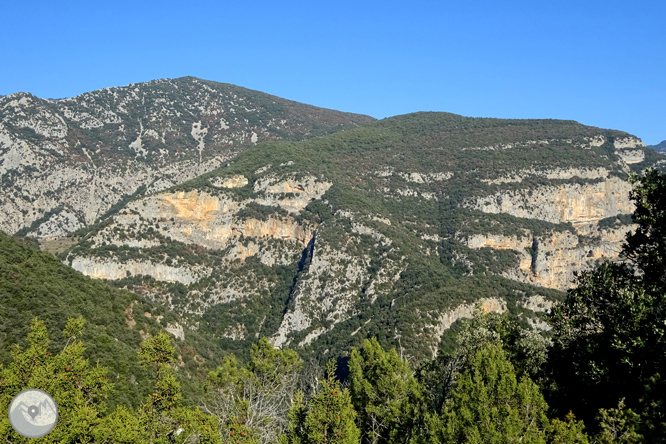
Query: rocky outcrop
(537,303)
(557,173)
(631,156)
(580,204)
(100,269)
(628,142)
(551,260)
(176,330)
(415,176)
(325,291)
(203,219)
(236,181)
(463,311)
(290,194)
(314,334)
(630,150)
(335,281)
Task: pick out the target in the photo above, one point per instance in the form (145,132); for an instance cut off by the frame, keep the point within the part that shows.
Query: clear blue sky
(601,63)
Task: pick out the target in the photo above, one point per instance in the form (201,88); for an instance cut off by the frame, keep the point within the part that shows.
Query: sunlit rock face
(581,205)
(558,255)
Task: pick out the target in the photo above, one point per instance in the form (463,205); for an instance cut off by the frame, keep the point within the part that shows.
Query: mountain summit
(65,163)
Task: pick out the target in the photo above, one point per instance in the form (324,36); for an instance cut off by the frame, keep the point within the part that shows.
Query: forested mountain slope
(394,230)
(35,284)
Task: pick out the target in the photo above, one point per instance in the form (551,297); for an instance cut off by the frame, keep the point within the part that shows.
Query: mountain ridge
(660,147)
(108,143)
(314,227)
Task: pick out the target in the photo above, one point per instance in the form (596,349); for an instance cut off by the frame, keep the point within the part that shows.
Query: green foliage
(253,210)
(35,225)
(122,426)
(605,332)
(254,399)
(268,363)
(646,248)
(163,418)
(236,429)
(614,221)
(79,390)
(328,418)
(490,405)
(566,432)
(156,351)
(296,432)
(35,284)
(619,425)
(610,332)
(653,409)
(156,354)
(386,396)
(526,349)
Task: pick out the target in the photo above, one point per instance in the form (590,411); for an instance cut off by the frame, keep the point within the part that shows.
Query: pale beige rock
(558,256)
(575,203)
(109,269)
(236,181)
(631,156)
(176,330)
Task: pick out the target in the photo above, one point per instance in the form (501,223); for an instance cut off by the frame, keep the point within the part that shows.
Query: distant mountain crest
(660,147)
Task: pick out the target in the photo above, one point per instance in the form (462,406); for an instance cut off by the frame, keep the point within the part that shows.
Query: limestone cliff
(582,205)
(551,260)
(211,221)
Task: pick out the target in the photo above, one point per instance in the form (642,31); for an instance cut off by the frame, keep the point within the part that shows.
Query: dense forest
(596,377)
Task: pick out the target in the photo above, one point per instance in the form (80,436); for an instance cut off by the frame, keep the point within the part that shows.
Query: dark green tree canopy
(388,399)
(610,332)
(646,248)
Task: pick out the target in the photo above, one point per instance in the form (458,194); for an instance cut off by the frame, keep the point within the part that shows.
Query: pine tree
(296,433)
(236,430)
(164,417)
(491,406)
(619,426)
(329,417)
(255,397)
(385,394)
(79,390)
(566,432)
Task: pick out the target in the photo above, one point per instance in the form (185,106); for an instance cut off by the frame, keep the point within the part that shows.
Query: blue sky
(602,63)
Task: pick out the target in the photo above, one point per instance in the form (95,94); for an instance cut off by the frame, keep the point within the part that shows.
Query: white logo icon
(33,413)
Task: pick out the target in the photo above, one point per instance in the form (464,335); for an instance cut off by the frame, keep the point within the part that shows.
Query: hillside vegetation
(34,284)
(597,379)
(394,229)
